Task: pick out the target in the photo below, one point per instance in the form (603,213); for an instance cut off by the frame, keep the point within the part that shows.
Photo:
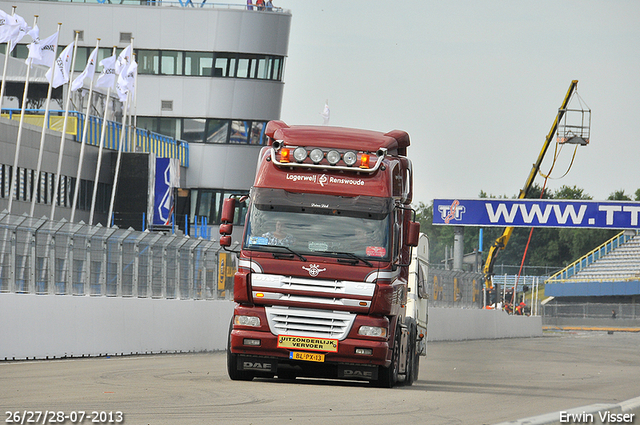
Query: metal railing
(40,256)
(182,3)
(136,140)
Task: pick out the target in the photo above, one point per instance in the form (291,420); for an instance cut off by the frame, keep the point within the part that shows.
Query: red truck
(323,280)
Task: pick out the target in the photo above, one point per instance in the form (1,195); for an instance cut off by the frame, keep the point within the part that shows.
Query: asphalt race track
(471,382)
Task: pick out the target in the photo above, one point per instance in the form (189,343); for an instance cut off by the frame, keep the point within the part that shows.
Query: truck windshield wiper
(351,255)
(288,249)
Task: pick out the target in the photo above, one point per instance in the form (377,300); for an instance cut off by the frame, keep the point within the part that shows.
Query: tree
(619,195)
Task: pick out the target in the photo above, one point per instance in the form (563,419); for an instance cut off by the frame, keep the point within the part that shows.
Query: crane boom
(503,240)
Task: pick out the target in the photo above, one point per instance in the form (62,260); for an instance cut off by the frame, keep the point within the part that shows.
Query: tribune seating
(622,263)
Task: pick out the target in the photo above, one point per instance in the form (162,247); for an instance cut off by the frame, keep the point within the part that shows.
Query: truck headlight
(333,157)
(246,321)
(350,158)
(372,331)
(316,155)
(300,154)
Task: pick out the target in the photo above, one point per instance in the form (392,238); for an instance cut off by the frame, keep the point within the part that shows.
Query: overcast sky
(476,84)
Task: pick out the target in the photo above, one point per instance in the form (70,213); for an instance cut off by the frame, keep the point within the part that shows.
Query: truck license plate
(309,357)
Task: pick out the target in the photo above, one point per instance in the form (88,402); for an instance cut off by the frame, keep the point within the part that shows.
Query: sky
(477,85)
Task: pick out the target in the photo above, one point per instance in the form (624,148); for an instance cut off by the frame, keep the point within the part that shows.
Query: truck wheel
(412,357)
(232,363)
(388,376)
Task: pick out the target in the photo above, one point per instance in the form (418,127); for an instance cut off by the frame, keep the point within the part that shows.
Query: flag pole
(6,63)
(82,143)
(44,127)
(120,147)
(100,149)
(56,186)
(14,170)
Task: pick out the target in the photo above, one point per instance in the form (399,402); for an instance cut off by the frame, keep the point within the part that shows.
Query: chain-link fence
(592,310)
(40,256)
(454,288)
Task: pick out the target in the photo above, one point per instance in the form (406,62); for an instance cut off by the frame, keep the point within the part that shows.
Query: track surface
(471,382)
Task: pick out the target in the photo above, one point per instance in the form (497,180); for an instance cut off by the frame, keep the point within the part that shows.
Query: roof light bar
(282,156)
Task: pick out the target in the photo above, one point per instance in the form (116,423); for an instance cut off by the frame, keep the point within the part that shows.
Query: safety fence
(592,310)
(40,256)
(453,288)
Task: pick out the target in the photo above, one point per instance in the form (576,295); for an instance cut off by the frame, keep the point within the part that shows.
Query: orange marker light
(284,155)
(259,294)
(364,160)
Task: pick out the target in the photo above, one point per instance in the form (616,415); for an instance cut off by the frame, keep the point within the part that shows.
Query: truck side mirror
(413,233)
(226,219)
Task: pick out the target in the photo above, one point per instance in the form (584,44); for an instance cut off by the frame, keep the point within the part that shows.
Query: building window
(171,63)
(208,203)
(240,131)
(148,62)
(217,131)
(212,130)
(257,133)
(193,129)
(198,63)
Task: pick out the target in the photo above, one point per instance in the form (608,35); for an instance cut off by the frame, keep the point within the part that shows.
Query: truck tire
(412,357)
(232,363)
(388,376)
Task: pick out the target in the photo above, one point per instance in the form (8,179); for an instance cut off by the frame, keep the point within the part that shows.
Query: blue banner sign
(536,213)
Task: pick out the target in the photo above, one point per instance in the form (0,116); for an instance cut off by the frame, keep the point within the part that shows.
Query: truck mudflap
(254,364)
(368,373)
(268,366)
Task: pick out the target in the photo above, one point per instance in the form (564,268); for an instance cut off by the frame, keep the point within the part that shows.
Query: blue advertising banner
(165,181)
(536,213)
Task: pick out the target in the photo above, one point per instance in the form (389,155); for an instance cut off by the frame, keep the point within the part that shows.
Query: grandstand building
(209,78)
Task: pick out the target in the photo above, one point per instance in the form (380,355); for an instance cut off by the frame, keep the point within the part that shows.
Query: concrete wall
(453,324)
(54,326)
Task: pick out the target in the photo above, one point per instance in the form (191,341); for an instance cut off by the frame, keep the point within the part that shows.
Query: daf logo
(256,366)
(357,374)
(313,270)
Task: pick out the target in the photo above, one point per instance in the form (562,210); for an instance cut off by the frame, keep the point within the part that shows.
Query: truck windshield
(313,224)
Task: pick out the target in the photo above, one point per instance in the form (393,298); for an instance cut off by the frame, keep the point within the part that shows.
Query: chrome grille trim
(339,287)
(310,323)
(331,302)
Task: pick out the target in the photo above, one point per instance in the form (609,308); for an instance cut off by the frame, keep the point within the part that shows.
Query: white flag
(34,46)
(19,32)
(88,72)
(8,26)
(46,51)
(124,58)
(126,81)
(60,70)
(108,75)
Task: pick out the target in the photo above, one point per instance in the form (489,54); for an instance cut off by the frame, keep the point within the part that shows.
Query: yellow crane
(502,241)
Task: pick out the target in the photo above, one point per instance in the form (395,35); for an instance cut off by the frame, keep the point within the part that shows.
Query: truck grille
(329,294)
(310,323)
